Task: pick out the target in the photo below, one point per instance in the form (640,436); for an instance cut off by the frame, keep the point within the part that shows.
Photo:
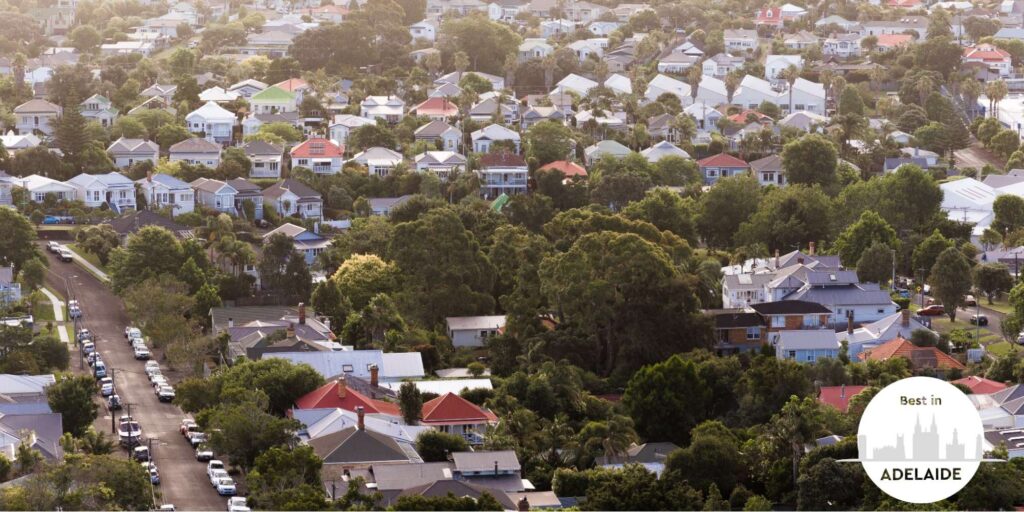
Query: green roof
(500,202)
(273,94)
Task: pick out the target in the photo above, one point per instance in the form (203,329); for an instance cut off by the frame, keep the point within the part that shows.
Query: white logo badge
(920,440)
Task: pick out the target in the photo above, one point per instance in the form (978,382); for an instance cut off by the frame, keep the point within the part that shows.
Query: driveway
(975,156)
(183,479)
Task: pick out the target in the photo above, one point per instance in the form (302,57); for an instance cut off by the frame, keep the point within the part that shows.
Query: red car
(933,310)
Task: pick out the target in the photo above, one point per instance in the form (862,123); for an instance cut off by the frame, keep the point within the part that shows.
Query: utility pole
(892,285)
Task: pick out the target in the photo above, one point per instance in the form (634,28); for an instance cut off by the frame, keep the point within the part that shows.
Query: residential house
(215,194)
(218,94)
(806,346)
(738,330)
(721,64)
(769,171)
(37,116)
(792,315)
(473,331)
(247,88)
(378,161)
(10,290)
(328,420)
(603,28)
(753,91)
(7,184)
(900,324)
(271,43)
(663,149)
(343,124)
(318,155)
(308,243)
(247,191)
(486,110)
(213,122)
(39,187)
(740,40)
(775,65)
(112,189)
(677,63)
(839,396)
(504,10)
(327,13)
(570,170)
(836,20)
(980,385)
(266,159)
(581,12)
(722,165)
(44,430)
(842,45)
(553,28)
(604,149)
(502,173)
(440,163)
(163,190)
(452,414)
(444,135)
(920,358)
(804,121)
(619,84)
(994,58)
(424,29)
(800,40)
(575,83)
(437,109)
(651,456)
(497,82)
(291,197)
(389,108)
(806,96)
(163,91)
(534,48)
(14,143)
(126,152)
(383,206)
(99,108)
(196,151)
(768,17)
(534,115)
(144,48)
(485,137)
(705,116)
(357,448)
(918,24)
(368,370)
(273,100)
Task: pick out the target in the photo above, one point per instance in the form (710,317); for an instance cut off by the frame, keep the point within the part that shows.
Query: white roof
(495,132)
(37,183)
(882,330)
(442,386)
(756,84)
(111,179)
(217,94)
(809,87)
(810,339)
(12,141)
(352,121)
(662,84)
(714,85)
(399,365)
(576,83)
(533,42)
(321,422)
(784,60)
(212,112)
(24,384)
(968,193)
(661,150)
(440,157)
(462,323)
(378,156)
(619,84)
(356,362)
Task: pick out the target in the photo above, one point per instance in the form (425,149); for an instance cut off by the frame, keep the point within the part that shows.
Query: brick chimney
(776,259)
(849,321)
(374,375)
(361,413)
(342,388)
(810,249)
(302,313)
(523,505)
(905,318)
(290,332)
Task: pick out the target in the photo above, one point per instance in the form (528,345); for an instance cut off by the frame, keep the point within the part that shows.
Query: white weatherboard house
(36,116)
(39,187)
(213,121)
(472,331)
(486,136)
(388,108)
(112,188)
(164,190)
(196,151)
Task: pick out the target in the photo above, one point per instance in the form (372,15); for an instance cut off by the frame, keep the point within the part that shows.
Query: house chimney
(842,392)
(776,259)
(905,318)
(231,322)
(495,468)
(523,505)
(800,260)
(362,417)
(374,375)
(849,321)
(290,332)
(810,249)
(302,313)
(342,388)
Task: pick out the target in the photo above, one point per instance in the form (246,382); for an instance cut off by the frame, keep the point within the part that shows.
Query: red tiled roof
(449,409)
(318,148)
(986,53)
(292,84)
(722,160)
(326,397)
(838,396)
(771,16)
(741,118)
(569,169)
(437,107)
(918,356)
(503,159)
(891,40)
(980,385)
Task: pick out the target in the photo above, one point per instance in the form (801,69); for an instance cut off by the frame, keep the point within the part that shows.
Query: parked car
(53,247)
(165,394)
(82,335)
(74,309)
(99,369)
(129,432)
(212,466)
(226,487)
(66,255)
(970,301)
(106,386)
(1020,338)
(237,504)
(979,320)
(204,453)
(167,507)
(196,439)
(154,473)
(114,403)
(141,353)
(132,333)
(151,367)
(91,358)
(188,425)
(88,348)
(217,474)
(141,453)
(51,219)
(933,310)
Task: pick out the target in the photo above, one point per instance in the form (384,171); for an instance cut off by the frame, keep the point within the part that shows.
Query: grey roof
(6,274)
(404,476)
(262,148)
(790,307)
(294,186)
(849,295)
(48,429)
(643,454)
(1002,180)
(143,146)
(434,128)
(242,315)
(484,461)
(387,203)
(748,281)
(352,445)
(195,145)
(457,488)
(458,323)
(133,221)
(357,363)
(244,186)
(771,163)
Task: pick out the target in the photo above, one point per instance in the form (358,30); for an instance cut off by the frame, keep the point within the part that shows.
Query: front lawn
(1002,348)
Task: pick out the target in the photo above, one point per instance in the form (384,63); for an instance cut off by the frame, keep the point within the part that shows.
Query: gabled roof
(212,111)
(722,160)
(273,94)
(919,357)
(437,107)
(569,169)
(212,186)
(217,93)
(495,132)
(502,159)
(108,179)
(770,163)
(790,307)
(250,82)
(505,460)
(452,409)
(262,148)
(353,445)
(294,186)
(195,145)
(663,149)
(576,83)
(292,85)
(317,148)
(37,106)
(839,396)
(980,385)
(143,146)
(326,396)
(435,128)
(133,221)
(448,487)
(166,180)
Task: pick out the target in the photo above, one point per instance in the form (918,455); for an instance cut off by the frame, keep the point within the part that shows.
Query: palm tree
(790,74)
(970,89)
(693,77)
(732,82)
(549,64)
(995,91)
(610,438)
(379,316)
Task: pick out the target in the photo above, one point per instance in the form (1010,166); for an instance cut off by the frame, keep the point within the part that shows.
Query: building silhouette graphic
(925,444)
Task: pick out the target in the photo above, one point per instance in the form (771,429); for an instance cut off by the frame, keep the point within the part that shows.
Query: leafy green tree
(730,203)
(363,276)
(32,274)
(871,228)
(72,397)
(485,501)
(788,217)
(548,141)
(927,252)
(280,471)
(410,401)
(484,42)
(951,280)
(128,127)
(992,279)
(99,240)
(170,134)
(182,62)
(830,485)
(714,500)
(667,211)
(244,429)
(875,264)
(713,458)
(372,135)
(810,160)
(328,301)
(1005,143)
(150,252)
(994,487)
(85,38)
(434,446)
(850,101)
(1009,213)
(280,380)
(660,411)
(16,239)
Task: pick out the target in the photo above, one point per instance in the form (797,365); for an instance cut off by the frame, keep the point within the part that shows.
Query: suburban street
(183,479)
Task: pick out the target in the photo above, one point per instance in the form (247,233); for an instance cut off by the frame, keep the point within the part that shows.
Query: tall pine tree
(71,136)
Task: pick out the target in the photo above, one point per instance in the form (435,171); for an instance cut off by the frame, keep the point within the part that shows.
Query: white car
(152,366)
(157,381)
(237,504)
(53,247)
(154,473)
(88,347)
(165,394)
(217,474)
(129,432)
(226,486)
(167,507)
(66,255)
(132,332)
(141,353)
(212,466)
(106,386)
(204,453)
(137,342)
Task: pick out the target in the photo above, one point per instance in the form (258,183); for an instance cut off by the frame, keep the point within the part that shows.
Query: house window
(347,368)
(792,354)
(753,333)
(712,173)
(778,321)
(880,311)
(810,357)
